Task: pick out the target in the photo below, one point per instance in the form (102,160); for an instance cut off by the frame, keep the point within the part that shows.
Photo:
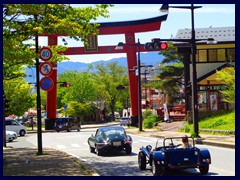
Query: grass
(224,123)
(221,122)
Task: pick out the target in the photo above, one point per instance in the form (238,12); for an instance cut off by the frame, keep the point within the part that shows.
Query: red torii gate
(129,28)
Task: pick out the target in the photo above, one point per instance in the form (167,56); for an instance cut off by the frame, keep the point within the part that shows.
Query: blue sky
(215,15)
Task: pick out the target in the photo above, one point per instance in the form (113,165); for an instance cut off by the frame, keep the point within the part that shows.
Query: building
(209,58)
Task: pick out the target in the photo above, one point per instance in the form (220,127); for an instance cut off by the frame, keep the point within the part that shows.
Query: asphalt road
(120,164)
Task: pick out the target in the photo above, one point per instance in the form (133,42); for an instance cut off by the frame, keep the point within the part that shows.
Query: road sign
(45,53)
(46,83)
(46,68)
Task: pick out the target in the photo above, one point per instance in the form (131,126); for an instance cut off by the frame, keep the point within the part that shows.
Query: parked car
(13,125)
(169,156)
(110,139)
(125,121)
(67,124)
(10,136)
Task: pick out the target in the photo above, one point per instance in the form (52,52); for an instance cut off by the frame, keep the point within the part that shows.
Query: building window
(212,55)
(202,56)
(221,55)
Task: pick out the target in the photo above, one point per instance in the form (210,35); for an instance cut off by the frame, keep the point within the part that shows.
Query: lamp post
(138,44)
(165,8)
(39,116)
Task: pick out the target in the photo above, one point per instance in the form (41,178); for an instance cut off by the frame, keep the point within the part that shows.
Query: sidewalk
(25,162)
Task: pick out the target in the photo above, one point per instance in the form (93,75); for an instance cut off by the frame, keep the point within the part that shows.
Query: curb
(214,143)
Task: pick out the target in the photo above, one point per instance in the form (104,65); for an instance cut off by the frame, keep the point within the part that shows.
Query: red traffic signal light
(65,85)
(155,46)
(164,45)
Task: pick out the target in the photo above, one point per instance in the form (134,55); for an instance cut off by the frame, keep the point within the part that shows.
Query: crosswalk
(85,145)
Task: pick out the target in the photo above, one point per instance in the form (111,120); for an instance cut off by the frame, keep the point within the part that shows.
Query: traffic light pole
(139,89)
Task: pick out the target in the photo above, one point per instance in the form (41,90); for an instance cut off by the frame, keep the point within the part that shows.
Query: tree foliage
(171,73)
(109,77)
(82,88)
(227,77)
(20,96)
(21,24)
(78,110)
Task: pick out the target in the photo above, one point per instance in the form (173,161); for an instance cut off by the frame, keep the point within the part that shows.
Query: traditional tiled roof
(220,34)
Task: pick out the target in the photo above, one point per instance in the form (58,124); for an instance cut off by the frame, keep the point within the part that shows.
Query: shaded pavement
(25,162)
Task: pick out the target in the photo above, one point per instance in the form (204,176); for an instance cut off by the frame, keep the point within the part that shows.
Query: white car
(125,121)
(13,125)
(10,136)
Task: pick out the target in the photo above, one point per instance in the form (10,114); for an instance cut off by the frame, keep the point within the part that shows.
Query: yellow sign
(92,44)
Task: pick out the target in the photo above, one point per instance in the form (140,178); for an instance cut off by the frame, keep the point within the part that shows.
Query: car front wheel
(99,152)
(92,150)
(141,161)
(128,149)
(22,133)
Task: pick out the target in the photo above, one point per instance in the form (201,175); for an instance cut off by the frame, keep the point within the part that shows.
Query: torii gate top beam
(136,26)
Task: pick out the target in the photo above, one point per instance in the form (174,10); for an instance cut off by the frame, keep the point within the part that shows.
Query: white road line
(147,141)
(75,145)
(61,147)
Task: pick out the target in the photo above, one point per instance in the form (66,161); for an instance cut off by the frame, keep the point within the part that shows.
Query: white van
(13,125)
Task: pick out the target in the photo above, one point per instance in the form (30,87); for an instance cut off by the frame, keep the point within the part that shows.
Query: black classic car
(173,155)
(110,139)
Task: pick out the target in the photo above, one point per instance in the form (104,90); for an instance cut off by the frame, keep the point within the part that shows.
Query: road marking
(147,141)
(75,145)
(61,147)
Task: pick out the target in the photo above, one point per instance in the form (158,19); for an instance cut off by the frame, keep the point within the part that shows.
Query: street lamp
(120,46)
(39,116)
(165,8)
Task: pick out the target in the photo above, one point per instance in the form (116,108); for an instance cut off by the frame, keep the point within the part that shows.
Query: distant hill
(151,58)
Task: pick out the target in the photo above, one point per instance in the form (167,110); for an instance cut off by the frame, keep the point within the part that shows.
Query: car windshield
(115,131)
(61,121)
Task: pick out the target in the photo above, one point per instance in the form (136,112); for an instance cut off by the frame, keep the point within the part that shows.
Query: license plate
(117,143)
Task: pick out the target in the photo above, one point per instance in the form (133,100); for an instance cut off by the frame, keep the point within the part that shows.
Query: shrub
(150,121)
(186,128)
(147,113)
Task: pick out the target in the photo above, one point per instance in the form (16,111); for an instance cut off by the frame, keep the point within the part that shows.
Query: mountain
(151,58)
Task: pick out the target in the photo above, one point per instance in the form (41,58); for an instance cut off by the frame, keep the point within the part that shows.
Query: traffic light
(65,84)
(156,44)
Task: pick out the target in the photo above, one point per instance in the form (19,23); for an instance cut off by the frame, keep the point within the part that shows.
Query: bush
(147,113)
(150,121)
(186,128)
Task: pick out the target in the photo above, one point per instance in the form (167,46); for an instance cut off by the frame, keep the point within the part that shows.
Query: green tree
(20,96)
(227,77)
(79,110)
(22,22)
(82,87)
(171,73)
(108,78)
